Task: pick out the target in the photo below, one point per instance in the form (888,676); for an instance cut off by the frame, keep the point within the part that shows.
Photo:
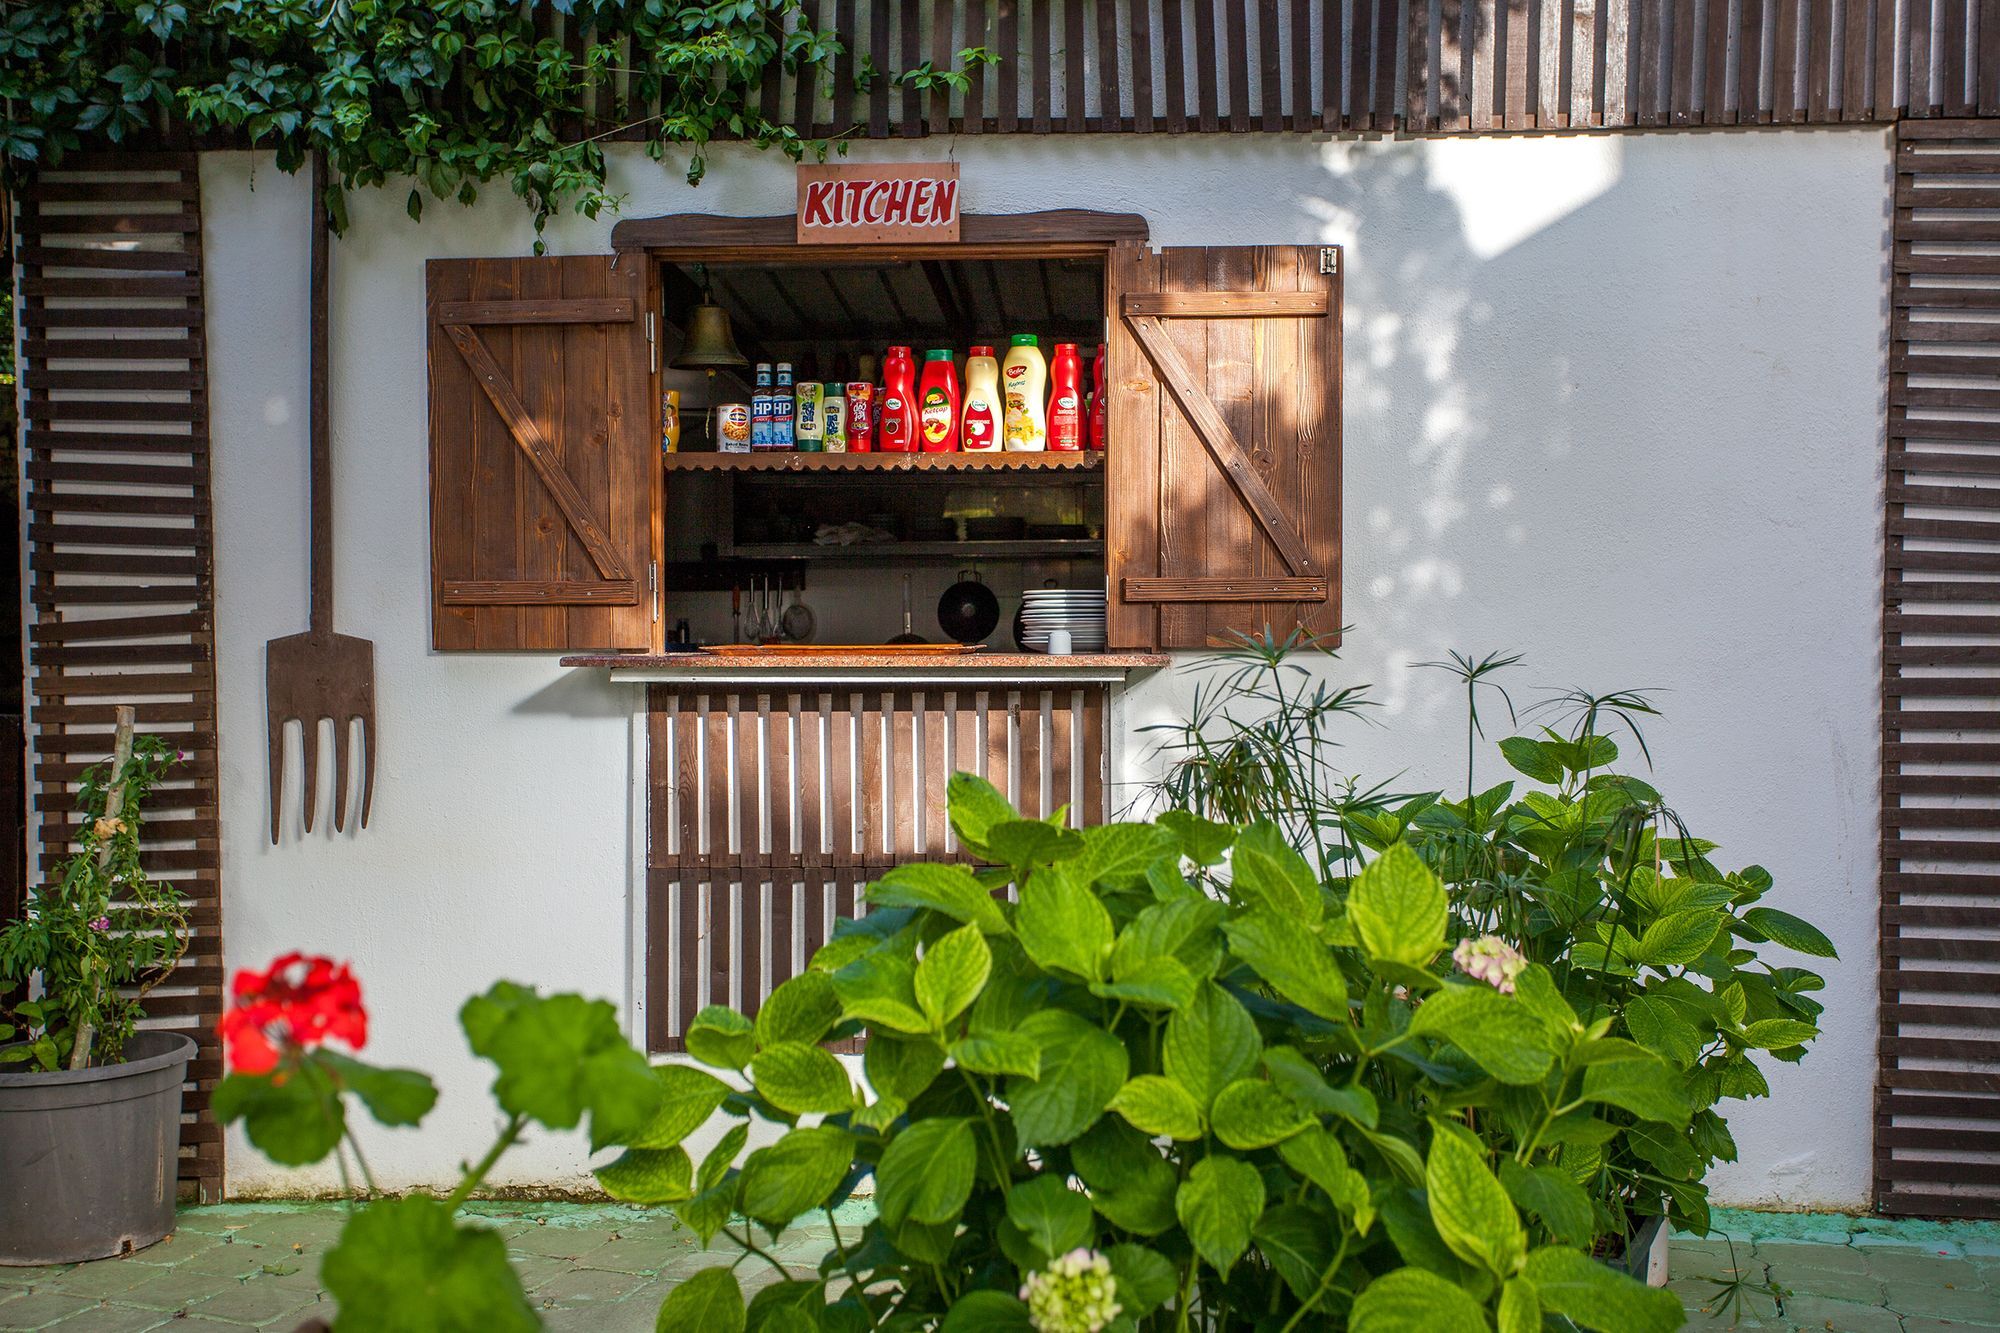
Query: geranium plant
(102,933)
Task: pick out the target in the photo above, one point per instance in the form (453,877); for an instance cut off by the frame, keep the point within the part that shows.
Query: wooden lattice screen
(1441,66)
(1937,1112)
(120,544)
(770,812)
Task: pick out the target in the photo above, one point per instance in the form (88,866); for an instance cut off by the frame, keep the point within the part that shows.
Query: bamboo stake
(114,805)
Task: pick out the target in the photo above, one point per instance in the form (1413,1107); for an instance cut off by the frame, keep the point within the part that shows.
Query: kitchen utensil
(968,611)
(320,675)
(798,621)
(917,649)
(909,634)
(736,613)
(1059,643)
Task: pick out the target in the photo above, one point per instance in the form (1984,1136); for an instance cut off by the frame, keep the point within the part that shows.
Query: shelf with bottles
(792,461)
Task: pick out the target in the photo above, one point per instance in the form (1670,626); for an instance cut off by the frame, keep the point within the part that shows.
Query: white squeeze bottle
(1025,385)
(981,416)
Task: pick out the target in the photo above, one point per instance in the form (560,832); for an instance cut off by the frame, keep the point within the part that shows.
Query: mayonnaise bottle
(1024,381)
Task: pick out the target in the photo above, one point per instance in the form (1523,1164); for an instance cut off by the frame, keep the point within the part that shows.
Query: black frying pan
(968,611)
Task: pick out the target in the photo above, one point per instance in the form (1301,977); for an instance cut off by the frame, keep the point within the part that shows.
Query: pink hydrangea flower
(1490,959)
(101,924)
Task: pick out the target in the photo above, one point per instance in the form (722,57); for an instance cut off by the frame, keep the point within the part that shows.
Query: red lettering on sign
(899,202)
(920,203)
(852,203)
(816,214)
(947,203)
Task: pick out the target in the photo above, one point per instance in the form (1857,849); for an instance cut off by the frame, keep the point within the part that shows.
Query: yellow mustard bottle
(1024,388)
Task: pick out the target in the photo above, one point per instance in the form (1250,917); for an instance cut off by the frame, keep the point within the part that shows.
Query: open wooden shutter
(1222,496)
(544,461)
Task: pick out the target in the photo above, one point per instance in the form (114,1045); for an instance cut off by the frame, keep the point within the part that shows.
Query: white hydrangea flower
(1074,1294)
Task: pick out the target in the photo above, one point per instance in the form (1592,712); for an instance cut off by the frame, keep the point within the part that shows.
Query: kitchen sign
(850,203)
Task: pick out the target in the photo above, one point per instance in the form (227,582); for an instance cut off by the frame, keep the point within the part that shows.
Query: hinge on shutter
(1329,259)
(653,587)
(652,346)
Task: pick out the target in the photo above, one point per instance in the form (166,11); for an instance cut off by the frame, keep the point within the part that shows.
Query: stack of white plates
(1079,611)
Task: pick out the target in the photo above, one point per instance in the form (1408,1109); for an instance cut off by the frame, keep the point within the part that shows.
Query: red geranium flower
(297,1001)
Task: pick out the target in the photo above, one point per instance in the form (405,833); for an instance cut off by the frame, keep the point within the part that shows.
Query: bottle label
(935,416)
(979,425)
(1020,423)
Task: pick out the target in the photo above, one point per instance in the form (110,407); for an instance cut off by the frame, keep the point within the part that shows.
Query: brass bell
(709,342)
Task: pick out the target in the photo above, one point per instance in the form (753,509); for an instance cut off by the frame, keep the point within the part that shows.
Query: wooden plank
(1173,28)
(1923,96)
(1144,117)
(1225,305)
(1207,58)
(1110,100)
(1304,112)
(571,310)
(1007,110)
(1075,69)
(1041,65)
(880,90)
(1270,67)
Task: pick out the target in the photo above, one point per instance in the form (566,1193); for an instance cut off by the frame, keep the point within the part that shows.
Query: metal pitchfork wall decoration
(320,676)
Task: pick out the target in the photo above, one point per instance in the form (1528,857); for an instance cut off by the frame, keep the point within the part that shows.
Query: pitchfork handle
(321,497)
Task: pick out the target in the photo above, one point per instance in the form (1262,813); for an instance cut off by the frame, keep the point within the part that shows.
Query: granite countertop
(725,663)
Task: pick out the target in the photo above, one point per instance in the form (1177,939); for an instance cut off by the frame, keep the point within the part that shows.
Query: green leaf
(1559,1202)
(949,889)
(1054,1217)
(1291,961)
(1571,1283)
(560,1056)
(900,1067)
(649,1176)
(1218,1204)
(950,976)
(1411,1300)
(688,1096)
(1788,930)
(998,1053)
(1775,1034)
(1158,983)
(1520,1311)
(1501,1036)
(392,1096)
(1532,758)
(795,1174)
(1469,1207)
(1677,938)
(1398,908)
(1118,855)
(1146,1280)
(398,1257)
(1210,1044)
(1160,1107)
(880,989)
(721,1038)
(1203,841)
(1130,1184)
(1023,844)
(1295,1240)
(1649,1089)
(1063,926)
(801,1079)
(1318,1156)
(1535,990)
(722,1156)
(926,1172)
(1182,929)
(1659,1027)
(294,1122)
(1083,1067)
(1266,872)
(707,1301)
(986,1312)
(1250,1113)
(975,806)
(802,1008)
(1299,1079)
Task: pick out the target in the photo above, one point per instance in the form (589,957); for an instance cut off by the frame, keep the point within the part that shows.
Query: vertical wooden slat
(1819,59)
(1579,79)
(1986,92)
(1454,83)
(1041,67)
(1173,48)
(1680,87)
(1143,118)
(1750,106)
(1270,67)
(979,31)
(805,100)
(1922,98)
(1885,99)
(1206,57)
(1651,54)
(1060,723)
(1007,108)
(1487,18)
(1354,99)
(1716,95)
(881,89)
(1955,51)
(846,28)
(1235,41)
(944,54)
(1110,111)
(1075,68)
(1304,113)
(1387,24)
(910,39)
(1786,71)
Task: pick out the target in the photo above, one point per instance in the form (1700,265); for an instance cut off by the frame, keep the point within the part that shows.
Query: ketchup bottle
(1065,400)
(937,403)
(1096,433)
(897,433)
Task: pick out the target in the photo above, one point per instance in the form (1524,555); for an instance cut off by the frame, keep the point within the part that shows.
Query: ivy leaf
(795,1174)
(688,1096)
(1788,930)
(1083,1067)
(801,1079)
(1397,905)
(649,1176)
(1571,1283)
(1210,1044)
(721,1038)
(1291,961)
(404,1261)
(1500,1035)
(1218,1204)
(708,1301)
(952,973)
(926,1172)
(1054,1217)
(1268,873)
(1250,1113)
(802,1008)
(949,889)
(1063,926)
(392,1096)
(1411,1300)
(294,1122)
(1469,1206)
(1160,1107)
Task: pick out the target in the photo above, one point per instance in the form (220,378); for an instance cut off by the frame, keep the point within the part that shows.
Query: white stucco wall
(1615,402)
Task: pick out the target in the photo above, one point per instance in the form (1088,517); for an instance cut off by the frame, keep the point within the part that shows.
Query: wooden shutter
(544,461)
(1222,496)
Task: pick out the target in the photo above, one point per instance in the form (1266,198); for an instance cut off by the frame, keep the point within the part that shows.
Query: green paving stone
(177,1248)
(255,1303)
(1787,1256)
(1937,1300)
(558,1242)
(234,1260)
(642,1252)
(536,1269)
(113,1319)
(106,1277)
(1919,1324)
(174,1289)
(589,1286)
(618,1318)
(1819,1312)
(1918,1269)
(39,1308)
(1858,1287)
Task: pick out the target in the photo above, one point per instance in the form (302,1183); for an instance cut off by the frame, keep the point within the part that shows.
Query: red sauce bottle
(897,433)
(937,403)
(1065,400)
(1096,433)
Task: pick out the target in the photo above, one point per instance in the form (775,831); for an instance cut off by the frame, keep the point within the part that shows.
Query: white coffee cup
(1059,642)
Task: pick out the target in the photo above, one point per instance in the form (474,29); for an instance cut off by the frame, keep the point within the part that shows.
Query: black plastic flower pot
(88,1157)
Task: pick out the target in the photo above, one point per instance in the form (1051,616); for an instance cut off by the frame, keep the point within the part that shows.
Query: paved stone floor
(605,1269)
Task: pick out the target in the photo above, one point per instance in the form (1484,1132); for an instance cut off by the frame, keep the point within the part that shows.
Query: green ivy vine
(452,95)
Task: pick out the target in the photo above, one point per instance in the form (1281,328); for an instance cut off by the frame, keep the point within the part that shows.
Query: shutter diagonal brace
(1220,441)
(541,455)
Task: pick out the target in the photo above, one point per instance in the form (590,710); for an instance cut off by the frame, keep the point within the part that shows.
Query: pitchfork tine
(275,730)
(367,767)
(342,732)
(309,770)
